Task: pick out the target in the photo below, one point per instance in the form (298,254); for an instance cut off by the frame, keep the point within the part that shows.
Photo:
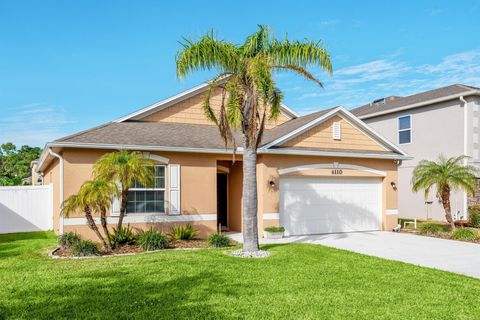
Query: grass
(297,281)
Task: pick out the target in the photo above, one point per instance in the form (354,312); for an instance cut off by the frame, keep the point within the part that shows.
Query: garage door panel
(328,205)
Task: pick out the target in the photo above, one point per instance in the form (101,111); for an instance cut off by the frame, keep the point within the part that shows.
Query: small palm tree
(125,168)
(94,196)
(249,94)
(445,175)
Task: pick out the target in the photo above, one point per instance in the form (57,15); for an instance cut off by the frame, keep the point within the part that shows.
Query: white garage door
(313,205)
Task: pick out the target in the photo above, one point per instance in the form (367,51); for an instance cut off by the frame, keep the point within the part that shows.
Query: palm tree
(125,168)
(94,196)
(250,97)
(445,175)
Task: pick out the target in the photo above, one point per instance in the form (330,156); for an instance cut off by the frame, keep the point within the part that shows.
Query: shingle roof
(391,103)
(175,134)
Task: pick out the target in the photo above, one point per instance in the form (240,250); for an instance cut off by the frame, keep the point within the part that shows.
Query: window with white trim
(405,129)
(150,199)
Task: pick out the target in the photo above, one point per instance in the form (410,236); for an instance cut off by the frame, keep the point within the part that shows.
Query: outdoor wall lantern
(272,183)
(394,185)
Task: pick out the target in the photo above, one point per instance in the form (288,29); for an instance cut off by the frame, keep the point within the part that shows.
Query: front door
(222,204)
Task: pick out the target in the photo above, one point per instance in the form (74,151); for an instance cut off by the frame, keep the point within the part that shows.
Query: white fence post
(26,208)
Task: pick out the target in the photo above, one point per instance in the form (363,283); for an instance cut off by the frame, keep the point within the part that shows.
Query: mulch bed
(441,235)
(135,249)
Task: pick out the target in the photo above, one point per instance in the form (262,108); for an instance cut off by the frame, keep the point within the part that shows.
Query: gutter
(421,104)
(60,196)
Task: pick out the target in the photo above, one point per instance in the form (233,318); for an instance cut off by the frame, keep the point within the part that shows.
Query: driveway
(454,256)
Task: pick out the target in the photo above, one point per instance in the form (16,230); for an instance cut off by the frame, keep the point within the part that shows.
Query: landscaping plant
(464,234)
(445,175)
(274,229)
(152,240)
(125,168)
(433,228)
(187,232)
(66,240)
(84,248)
(94,196)
(218,240)
(474,216)
(250,96)
(123,236)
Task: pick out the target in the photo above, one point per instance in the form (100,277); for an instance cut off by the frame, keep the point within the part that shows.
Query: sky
(67,66)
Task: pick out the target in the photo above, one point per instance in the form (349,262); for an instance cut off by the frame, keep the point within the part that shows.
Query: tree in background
(250,96)
(445,175)
(15,164)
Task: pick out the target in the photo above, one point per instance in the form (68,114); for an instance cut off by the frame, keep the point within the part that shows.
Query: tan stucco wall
(321,137)
(51,175)
(198,183)
(190,111)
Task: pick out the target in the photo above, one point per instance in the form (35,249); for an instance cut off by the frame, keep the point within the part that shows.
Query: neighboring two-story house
(441,121)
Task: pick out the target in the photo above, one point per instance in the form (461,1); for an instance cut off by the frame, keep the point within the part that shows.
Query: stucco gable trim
(331,166)
(163,104)
(349,117)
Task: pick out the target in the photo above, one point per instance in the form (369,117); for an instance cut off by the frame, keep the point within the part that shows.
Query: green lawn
(298,281)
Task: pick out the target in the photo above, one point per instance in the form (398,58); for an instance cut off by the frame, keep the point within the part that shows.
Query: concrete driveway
(454,256)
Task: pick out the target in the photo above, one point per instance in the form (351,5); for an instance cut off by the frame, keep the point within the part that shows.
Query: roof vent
(380,101)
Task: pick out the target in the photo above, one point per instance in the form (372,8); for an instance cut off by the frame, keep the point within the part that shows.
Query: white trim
(271,216)
(174,178)
(420,104)
(163,104)
(30,187)
(145,218)
(391,211)
(155,157)
(335,154)
(60,189)
(353,121)
(331,166)
(409,129)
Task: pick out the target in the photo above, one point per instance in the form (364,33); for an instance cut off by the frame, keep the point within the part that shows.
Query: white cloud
(33,124)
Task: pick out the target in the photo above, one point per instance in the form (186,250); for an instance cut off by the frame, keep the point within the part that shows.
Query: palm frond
(300,71)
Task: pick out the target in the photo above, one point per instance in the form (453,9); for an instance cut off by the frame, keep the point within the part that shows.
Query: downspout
(465,151)
(60,197)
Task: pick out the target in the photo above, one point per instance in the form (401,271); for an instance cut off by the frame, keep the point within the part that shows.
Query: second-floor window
(405,129)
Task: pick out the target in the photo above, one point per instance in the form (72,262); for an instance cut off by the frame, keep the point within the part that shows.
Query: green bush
(186,232)
(274,229)
(85,248)
(464,234)
(433,228)
(152,240)
(218,240)
(474,215)
(68,239)
(123,236)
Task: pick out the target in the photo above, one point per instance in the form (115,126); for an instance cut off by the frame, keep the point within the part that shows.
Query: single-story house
(325,172)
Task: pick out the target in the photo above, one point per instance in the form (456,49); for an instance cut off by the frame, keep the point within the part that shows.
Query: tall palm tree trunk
(103,220)
(123,207)
(250,222)
(445,196)
(93,226)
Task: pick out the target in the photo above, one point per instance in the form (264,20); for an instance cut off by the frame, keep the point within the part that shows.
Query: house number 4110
(337,171)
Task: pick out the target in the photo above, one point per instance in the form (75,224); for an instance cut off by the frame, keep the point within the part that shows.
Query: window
(149,199)
(405,129)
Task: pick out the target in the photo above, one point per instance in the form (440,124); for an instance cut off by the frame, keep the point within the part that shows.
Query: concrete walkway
(454,256)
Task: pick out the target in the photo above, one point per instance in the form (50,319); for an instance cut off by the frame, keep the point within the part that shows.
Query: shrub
(474,215)
(85,248)
(274,229)
(186,232)
(68,239)
(152,240)
(218,240)
(464,234)
(433,228)
(462,223)
(123,236)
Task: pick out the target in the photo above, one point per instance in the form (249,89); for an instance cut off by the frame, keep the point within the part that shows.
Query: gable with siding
(322,137)
(190,111)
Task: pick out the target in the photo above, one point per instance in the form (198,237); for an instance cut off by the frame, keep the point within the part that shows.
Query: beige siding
(190,111)
(321,137)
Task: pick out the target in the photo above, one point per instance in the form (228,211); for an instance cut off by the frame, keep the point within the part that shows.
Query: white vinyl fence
(26,208)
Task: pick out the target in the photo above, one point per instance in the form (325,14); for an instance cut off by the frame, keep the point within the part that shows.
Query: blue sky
(66,66)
